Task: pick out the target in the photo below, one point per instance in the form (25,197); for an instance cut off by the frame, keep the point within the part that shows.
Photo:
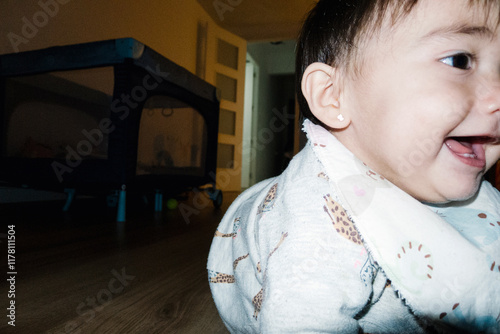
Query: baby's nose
(488,93)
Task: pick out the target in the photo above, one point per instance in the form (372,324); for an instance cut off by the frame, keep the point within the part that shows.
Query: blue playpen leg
(120,217)
(158,201)
(69,198)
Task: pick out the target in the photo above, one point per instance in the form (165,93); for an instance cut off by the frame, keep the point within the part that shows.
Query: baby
(382,223)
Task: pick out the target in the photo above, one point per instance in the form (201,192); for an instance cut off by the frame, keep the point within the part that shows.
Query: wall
(168,26)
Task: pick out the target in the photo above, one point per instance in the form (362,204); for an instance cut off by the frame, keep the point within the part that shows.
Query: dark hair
(331,31)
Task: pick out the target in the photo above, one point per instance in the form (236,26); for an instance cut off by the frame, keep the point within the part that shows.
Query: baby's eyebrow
(459,29)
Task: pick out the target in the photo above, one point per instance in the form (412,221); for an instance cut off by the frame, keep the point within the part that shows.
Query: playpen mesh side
(51,115)
(172,138)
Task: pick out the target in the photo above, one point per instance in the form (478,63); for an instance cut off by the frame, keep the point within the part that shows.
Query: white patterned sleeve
(317,277)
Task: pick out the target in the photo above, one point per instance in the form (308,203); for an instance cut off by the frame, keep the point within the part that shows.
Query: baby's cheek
(495,153)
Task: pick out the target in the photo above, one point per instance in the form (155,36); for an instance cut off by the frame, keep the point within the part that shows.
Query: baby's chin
(452,195)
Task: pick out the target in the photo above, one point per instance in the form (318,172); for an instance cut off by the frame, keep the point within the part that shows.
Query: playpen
(106,116)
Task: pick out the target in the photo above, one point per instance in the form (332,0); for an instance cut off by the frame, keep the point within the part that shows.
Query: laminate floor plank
(82,272)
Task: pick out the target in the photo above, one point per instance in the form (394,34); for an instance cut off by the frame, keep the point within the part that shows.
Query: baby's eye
(461,61)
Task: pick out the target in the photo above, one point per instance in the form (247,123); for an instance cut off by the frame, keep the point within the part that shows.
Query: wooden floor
(82,272)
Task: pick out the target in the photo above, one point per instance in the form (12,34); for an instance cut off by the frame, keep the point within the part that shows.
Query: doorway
(251,101)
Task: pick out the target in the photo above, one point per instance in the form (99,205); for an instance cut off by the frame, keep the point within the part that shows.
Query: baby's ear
(321,88)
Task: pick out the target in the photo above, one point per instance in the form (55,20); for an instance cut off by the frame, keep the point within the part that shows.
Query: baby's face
(425,112)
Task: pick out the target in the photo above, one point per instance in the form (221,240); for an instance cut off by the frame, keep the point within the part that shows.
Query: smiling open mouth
(470,150)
